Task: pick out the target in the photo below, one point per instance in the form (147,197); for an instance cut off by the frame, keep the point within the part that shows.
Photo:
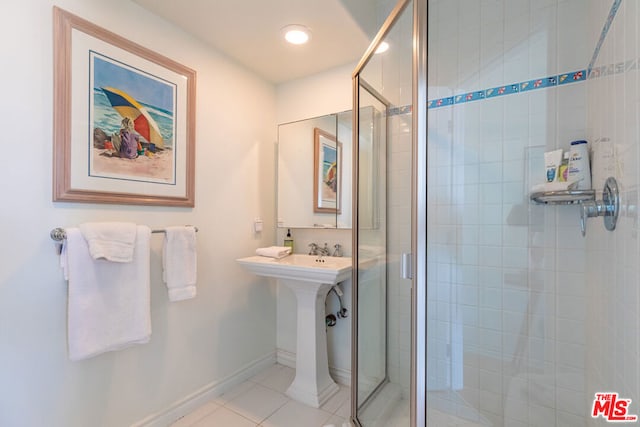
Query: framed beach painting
(124,120)
(327,153)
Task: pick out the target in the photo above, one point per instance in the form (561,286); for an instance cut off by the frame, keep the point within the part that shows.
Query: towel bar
(59,234)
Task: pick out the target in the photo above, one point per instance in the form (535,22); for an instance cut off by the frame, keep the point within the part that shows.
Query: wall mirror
(315,168)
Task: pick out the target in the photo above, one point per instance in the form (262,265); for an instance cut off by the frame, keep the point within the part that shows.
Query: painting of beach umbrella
(127,106)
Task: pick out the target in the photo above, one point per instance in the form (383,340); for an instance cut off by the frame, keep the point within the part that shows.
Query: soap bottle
(563,171)
(288,241)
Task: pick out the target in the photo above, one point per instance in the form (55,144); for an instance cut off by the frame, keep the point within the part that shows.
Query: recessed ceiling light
(382,47)
(296,34)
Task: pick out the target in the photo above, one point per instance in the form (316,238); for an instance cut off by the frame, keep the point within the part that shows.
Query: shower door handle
(405,266)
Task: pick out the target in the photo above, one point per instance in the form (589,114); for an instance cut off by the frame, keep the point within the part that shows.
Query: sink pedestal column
(312,385)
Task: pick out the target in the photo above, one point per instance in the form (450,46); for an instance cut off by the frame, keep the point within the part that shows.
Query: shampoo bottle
(288,241)
(579,168)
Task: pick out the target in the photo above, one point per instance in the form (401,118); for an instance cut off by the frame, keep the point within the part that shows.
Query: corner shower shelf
(608,207)
(565,197)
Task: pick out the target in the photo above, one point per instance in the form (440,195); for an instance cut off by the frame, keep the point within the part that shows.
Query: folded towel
(274,251)
(179,262)
(113,241)
(109,303)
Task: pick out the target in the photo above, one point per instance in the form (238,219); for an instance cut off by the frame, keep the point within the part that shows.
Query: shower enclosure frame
(418,256)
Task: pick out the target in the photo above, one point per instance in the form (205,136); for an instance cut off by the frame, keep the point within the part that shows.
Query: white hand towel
(109,303)
(274,251)
(179,262)
(113,241)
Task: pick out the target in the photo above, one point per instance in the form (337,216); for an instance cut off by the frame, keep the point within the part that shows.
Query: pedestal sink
(310,278)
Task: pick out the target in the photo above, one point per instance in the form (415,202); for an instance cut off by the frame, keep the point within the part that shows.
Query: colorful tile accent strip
(603,35)
(617,68)
(541,83)
(397,111)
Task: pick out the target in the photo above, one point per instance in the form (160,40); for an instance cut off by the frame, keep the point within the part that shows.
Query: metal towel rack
(59,234)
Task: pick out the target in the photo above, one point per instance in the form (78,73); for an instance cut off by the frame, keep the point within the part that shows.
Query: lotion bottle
(579,168)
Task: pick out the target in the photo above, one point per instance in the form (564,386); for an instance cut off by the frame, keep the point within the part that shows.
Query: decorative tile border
(617,68)
(397,111)
(603,34)
(525,86)
(541,83)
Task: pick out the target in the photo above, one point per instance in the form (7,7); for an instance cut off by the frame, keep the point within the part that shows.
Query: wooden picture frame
(101,80)
(327,159)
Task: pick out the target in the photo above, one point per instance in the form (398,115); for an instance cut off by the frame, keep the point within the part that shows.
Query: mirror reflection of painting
(133,124)
(327,173)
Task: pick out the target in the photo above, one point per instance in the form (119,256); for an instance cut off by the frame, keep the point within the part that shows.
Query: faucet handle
(314,249)
(337,250)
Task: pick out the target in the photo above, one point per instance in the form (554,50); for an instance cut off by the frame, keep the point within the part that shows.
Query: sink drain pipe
(331,319)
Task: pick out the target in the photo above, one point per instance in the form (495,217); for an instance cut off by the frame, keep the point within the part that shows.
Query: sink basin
(307,268)
(310,278)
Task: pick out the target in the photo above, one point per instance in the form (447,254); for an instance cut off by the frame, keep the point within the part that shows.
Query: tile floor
(261,401)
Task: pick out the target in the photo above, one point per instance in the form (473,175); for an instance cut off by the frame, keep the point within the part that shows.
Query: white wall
(613,272)
(195,344)
(314,96)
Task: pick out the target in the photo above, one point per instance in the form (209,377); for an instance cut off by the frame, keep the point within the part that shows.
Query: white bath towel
(274,251)
(109,303)
(179,262)
(113,241)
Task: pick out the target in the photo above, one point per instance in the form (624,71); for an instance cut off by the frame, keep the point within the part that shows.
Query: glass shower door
(383,227)
(372,235)
(508,327)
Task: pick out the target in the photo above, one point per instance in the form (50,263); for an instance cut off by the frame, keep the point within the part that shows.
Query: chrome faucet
(324,251)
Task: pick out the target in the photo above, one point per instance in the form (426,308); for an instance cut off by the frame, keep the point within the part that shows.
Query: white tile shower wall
(613,273)
(506,296)
(397,88)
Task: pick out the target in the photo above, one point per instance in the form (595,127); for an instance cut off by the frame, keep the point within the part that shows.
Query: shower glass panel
(372,288)
(506,308)
(384,177)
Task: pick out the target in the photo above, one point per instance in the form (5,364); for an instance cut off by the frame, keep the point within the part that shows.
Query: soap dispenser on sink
(288,240)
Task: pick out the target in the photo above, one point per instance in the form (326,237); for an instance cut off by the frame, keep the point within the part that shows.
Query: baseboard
(286,358)
(198,398)
(339,375)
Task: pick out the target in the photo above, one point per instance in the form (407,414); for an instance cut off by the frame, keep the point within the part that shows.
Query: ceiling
(248,31)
